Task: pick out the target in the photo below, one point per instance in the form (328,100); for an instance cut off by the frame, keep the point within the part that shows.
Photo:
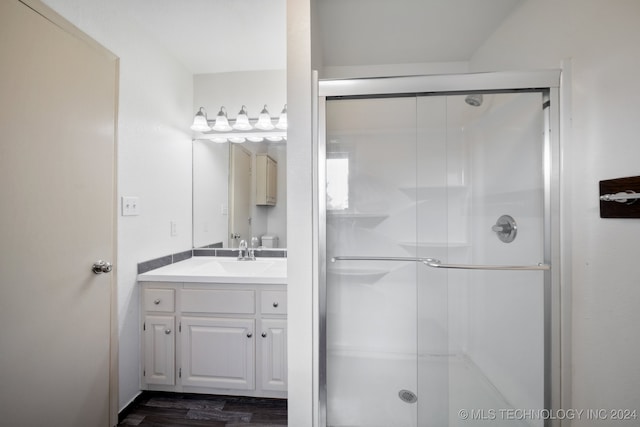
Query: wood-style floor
(161,409)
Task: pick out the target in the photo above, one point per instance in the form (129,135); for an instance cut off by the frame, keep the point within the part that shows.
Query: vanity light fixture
(240,129)
(282,121)
(242,120)
(200,123)
(264,120)
(222,123)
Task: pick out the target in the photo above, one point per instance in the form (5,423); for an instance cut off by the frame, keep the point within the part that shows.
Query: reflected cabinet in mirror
(239,192)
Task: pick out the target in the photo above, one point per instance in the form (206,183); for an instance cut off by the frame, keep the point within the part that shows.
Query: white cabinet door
(274,354)
(218,352)
(272,181)
(159,350)
(266,180)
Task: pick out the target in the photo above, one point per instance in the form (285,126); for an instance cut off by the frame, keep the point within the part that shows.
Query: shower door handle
(436,263)
(379,258)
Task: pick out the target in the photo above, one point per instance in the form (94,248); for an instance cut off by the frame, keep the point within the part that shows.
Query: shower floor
(366,389)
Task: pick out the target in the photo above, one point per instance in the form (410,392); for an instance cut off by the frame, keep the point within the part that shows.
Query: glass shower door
(371,305)
(431,200)
(495,222)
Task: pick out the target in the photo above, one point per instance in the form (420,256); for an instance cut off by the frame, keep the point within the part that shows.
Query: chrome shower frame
(547,82)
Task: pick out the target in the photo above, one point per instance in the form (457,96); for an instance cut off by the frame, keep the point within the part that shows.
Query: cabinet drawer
(218,301)
(274,302)
(159,300)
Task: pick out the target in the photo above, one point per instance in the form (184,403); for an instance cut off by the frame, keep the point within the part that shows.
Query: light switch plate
(130,206)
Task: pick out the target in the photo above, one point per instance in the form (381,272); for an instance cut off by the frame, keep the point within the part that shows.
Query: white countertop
(205,269)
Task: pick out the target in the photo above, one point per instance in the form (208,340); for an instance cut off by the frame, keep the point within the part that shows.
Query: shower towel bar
(435,263)
(621,197)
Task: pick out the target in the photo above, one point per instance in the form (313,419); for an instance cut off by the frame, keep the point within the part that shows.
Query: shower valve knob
(505,228)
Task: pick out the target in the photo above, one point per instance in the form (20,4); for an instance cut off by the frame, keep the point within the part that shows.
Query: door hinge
(144,326)
(180,327)
(180,373)
(144,373)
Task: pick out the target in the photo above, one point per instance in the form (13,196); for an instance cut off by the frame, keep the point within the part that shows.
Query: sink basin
(243,267)
(221,270)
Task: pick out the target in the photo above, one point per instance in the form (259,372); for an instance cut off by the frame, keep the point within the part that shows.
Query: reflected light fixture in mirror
(222,123)
(200,123)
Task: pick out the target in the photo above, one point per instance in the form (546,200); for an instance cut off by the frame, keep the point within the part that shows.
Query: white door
(218,353)
(57,125)
(240,195)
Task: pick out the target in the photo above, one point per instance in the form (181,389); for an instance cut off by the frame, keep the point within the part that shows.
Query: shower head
(474,99)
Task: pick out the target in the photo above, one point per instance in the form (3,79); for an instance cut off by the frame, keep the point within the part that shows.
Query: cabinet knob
(264,335)
(249,334)
(156,301)
(275,304)
(167,331)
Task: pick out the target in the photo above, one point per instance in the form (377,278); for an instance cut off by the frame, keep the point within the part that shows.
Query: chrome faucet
(252,249)
(242,250)
(247,254)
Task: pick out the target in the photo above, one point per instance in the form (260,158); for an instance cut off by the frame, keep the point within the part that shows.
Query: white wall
(210,193)
(601,40)
(385,70)
(301,356)
(154,158)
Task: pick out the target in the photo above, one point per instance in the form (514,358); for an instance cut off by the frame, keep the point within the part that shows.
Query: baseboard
(129,407)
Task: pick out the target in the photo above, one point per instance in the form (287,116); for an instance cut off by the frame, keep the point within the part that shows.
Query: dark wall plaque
(617,209)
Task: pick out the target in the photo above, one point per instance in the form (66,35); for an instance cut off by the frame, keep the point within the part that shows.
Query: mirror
(212,184)
(216,192)
(213,193)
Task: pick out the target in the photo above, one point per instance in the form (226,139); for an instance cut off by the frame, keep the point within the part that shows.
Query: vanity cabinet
(218,353)
(266,180)
(215,338)
(274,354)
(159,336)
(273,337)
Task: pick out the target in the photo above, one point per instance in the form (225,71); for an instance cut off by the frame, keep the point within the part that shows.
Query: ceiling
(361,32)
(213,36)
